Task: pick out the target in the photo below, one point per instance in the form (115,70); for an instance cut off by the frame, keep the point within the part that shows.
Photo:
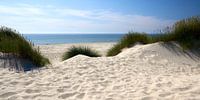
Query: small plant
(127,41)
(12,42)
(73,51)
(114,50)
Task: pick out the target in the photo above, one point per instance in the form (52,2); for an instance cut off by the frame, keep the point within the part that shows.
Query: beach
(99,50)
(143,72)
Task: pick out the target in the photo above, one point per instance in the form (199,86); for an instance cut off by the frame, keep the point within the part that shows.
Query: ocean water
(71,38)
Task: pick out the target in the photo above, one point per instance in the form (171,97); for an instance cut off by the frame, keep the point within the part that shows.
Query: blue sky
(94,16)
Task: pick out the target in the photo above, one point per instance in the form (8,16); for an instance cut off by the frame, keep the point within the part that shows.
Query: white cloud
(38,19)
(20,11)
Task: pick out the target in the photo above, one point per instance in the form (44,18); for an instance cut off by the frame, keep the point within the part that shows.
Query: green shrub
(129,40)
(12,42)
(114,50)
(186,32)
(73,51)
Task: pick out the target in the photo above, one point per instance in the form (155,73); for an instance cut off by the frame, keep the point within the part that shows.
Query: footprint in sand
(109,99)
(32,91)
(14,83)
(75,87)
(13,98)
(148,98)
(67,95)
(117,87)
(183,88)
(168,84)
(28,82)
(196,92)
(81,95)
(42,84)
(165,94)
(1,83)
(7,94)
(61,90)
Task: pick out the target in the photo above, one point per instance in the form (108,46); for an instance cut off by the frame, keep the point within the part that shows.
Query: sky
(94,16)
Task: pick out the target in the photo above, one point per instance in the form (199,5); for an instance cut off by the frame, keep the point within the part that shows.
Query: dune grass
(12,42)
(186,32)
(127,41)
(73,51)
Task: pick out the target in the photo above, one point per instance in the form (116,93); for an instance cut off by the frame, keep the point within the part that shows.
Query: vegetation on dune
(128,40)
(73,51)
(12,42)
(186,32)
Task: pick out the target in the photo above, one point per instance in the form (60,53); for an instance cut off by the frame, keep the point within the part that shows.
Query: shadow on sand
(179,51)
(12,62)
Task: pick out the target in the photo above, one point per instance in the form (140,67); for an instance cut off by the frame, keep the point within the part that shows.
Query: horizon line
(85,33)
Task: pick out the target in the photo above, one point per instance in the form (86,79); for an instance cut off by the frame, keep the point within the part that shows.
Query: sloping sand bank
(144,72)
(15,63)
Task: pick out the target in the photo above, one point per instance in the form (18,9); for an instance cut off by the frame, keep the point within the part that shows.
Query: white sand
(144,72)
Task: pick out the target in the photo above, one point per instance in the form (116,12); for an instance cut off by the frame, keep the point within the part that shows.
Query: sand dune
(143,72)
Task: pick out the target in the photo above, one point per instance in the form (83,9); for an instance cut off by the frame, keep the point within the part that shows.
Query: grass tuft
(127,41)
(12,42)
(186,32)
(73,51)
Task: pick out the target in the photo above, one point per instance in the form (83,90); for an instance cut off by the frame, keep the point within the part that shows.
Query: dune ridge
(143,72)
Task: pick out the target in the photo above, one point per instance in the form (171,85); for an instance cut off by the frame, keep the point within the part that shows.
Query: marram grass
(186,32)
(73,51)
(12,42)
(128,40)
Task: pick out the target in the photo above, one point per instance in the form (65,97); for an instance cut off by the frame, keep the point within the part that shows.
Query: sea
(71,38)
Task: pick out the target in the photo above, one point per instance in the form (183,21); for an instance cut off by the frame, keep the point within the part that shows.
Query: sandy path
(144,72)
